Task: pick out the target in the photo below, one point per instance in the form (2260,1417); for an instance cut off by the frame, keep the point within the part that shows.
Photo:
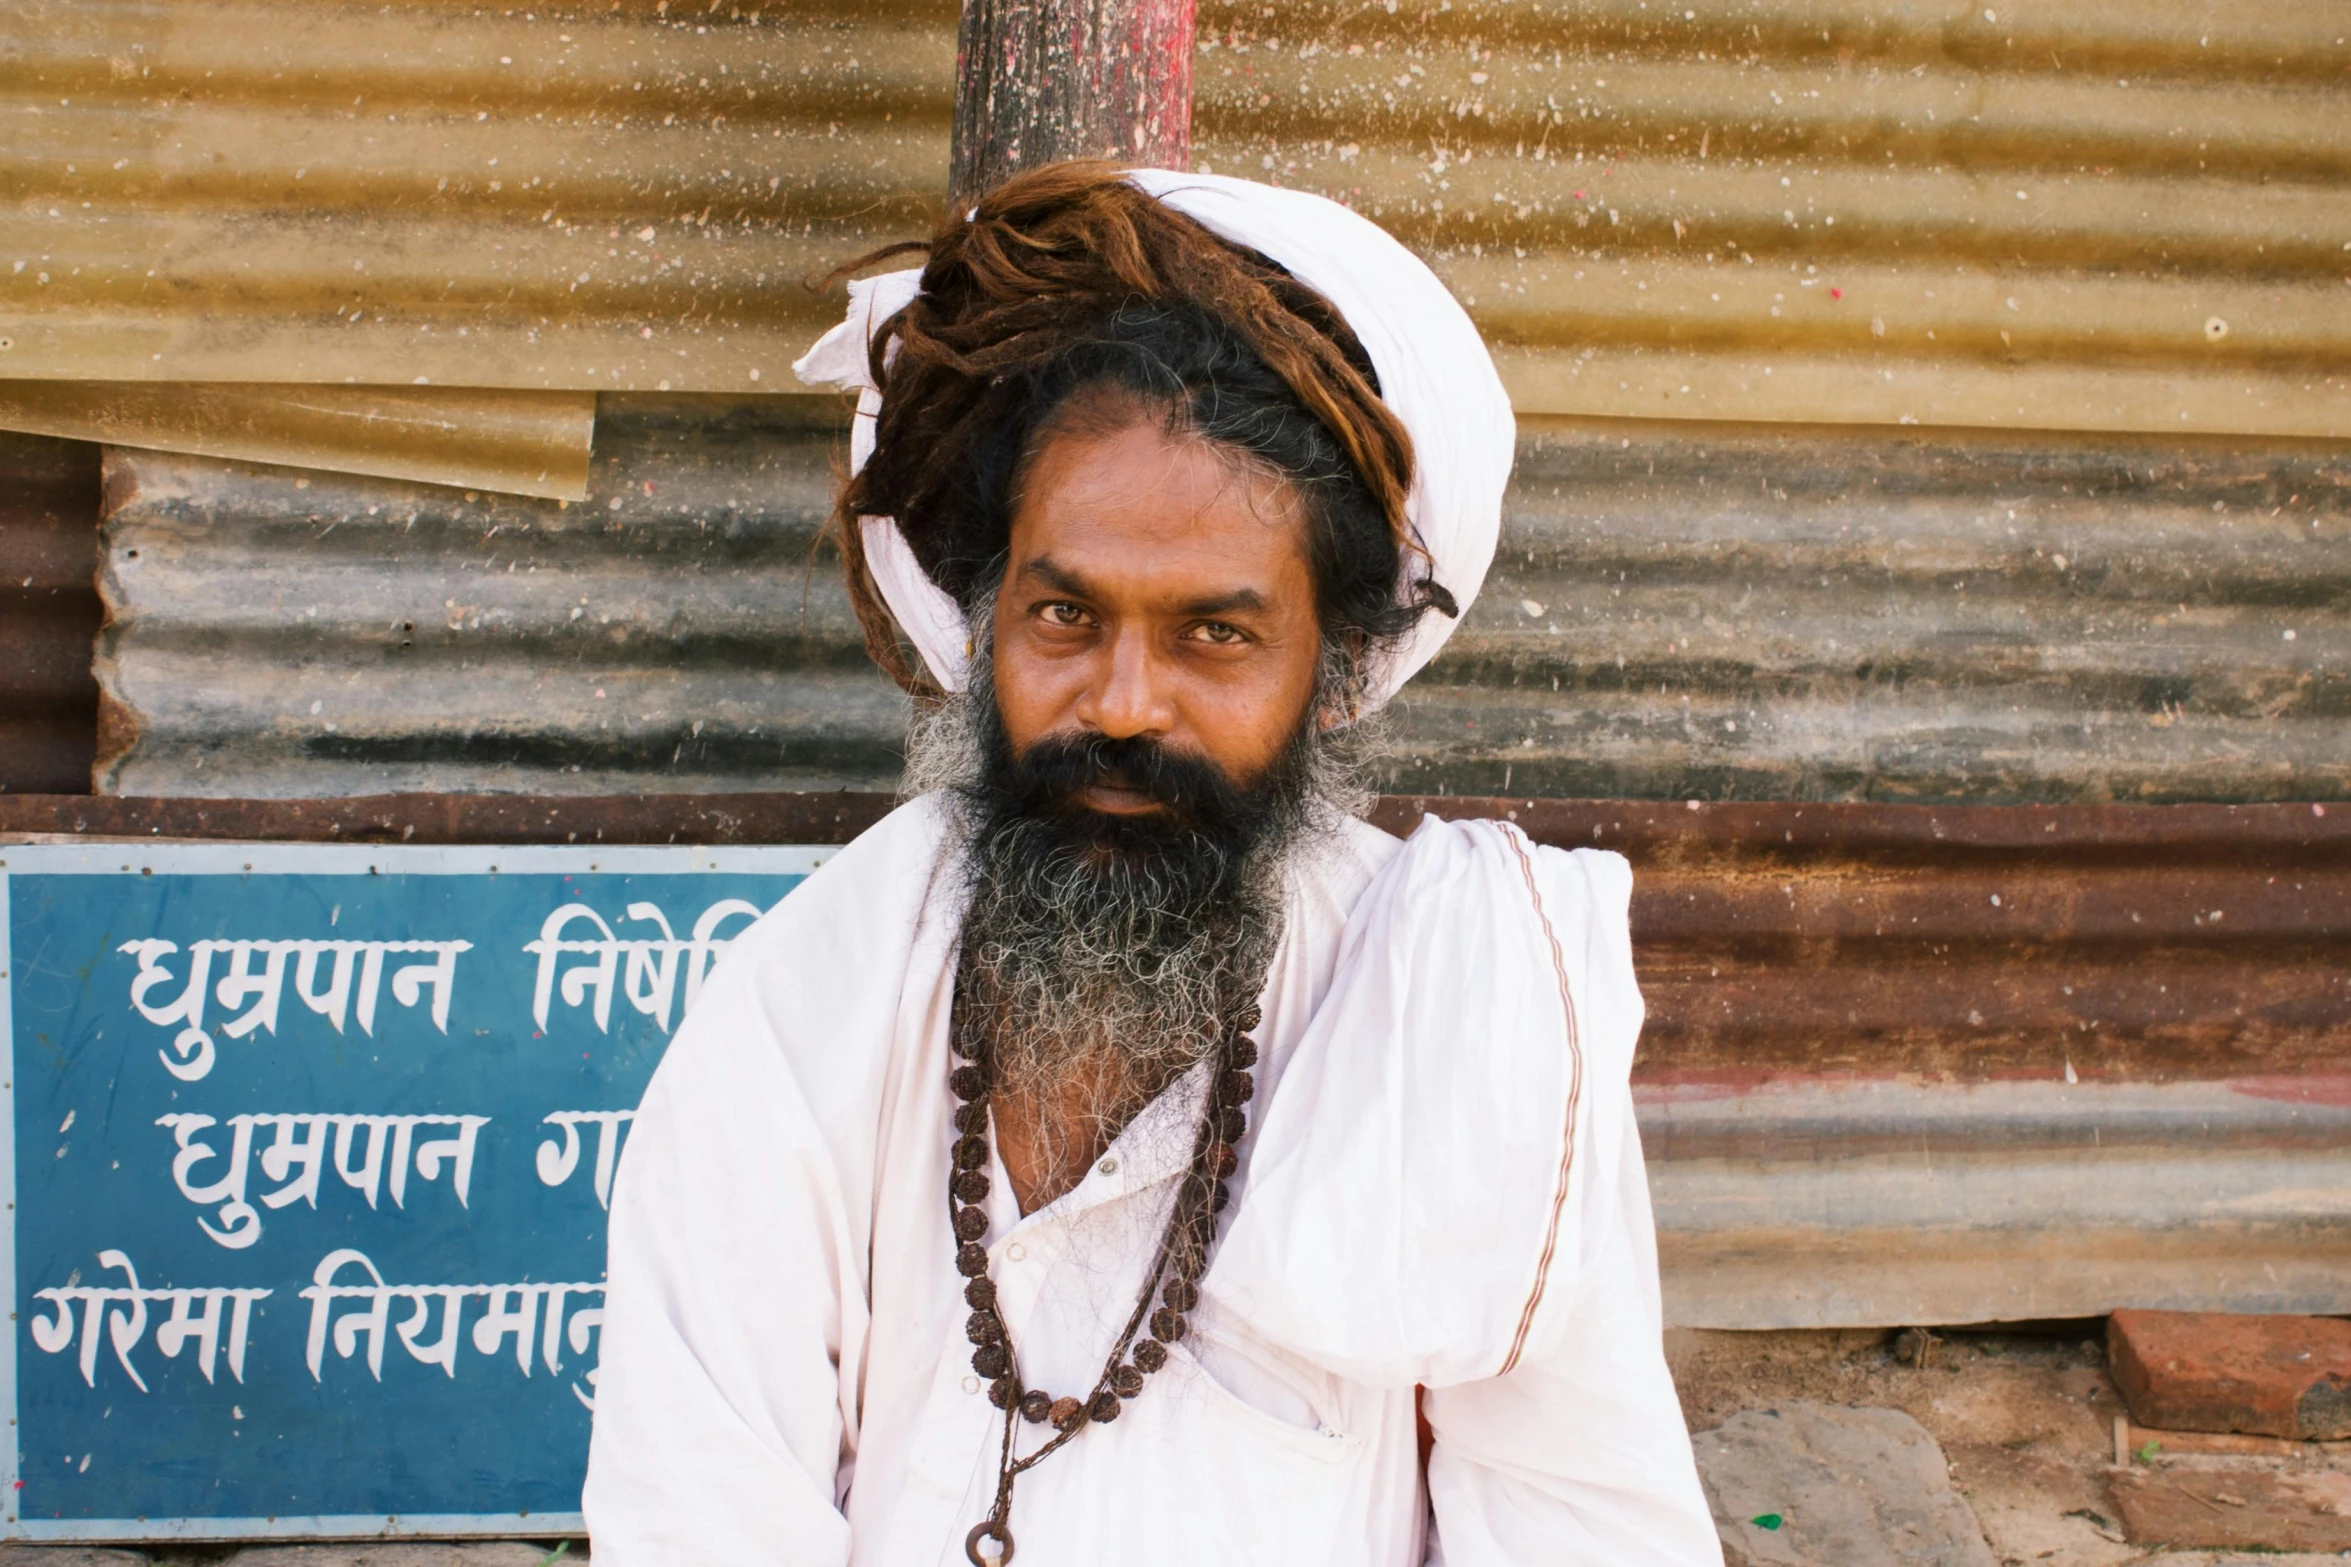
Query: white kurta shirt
(1441,1204)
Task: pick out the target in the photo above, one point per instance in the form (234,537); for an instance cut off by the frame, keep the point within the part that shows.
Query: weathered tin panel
(276,632)
(528,443)
(48,614)
(562,197)
(2071,216)
(1758,613)
(1678,611)
(2074,216)
(1902,1064)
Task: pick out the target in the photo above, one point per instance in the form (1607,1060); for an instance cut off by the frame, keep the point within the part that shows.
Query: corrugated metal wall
(278,633)
(561,196)
(48,613)
(1679,610)
(2083,215)
(2070,214)
(1786,288)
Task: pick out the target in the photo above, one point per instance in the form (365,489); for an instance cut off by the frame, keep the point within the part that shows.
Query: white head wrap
(1434,375)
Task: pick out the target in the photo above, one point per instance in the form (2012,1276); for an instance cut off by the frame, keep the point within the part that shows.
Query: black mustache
(1049,776)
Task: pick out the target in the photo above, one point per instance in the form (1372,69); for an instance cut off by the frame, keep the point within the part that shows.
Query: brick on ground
(2235,1504)
(2218,1371)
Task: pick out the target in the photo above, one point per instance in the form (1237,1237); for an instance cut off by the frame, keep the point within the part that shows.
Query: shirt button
(1016,1252)
(971,1384)
(1108,1167)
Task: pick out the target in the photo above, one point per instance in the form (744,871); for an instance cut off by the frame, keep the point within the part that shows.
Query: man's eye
(1218,632)
(1063,613)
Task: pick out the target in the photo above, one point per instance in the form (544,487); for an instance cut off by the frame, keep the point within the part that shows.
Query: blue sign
(311,1150)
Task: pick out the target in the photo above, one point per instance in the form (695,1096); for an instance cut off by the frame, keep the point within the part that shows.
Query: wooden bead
(1219,1197)
(971,1259)
(1235,1088)
(1150,1354)
(971,1153)
(1065,1412)
(1231,1125)
(1035,1407)
(1127,1381)
(980,1293)
(981,1327)
(1222,1160)
(969,1185)
(1243,1055)
(990,1361)
(1250,1017)
(971,1120)
(1104,1407)
(1167,1325)
(968,1082)
(1180,1295)
(970,1224)
(1000,1392)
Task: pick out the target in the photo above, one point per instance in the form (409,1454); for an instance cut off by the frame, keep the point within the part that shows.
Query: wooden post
(1040,80)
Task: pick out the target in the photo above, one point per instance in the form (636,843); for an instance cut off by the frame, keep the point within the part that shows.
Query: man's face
(1155,590)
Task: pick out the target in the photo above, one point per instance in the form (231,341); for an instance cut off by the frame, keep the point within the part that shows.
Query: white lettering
(125,1328)
(524,1311)
(557,1161)
(653,966)
(260,990)
(298,1151)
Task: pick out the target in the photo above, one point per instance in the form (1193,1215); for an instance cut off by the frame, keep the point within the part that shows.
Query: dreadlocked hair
(1068,279)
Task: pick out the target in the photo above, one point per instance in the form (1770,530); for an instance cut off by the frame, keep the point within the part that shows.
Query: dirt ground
(2026,1420)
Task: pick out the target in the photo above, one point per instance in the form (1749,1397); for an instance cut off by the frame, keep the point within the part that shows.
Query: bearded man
(1122,1154)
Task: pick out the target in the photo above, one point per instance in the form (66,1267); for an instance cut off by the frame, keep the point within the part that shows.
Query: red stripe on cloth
(1575,1092)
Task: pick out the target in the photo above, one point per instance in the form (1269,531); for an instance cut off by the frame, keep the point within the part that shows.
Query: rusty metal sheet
(1922,1162)
(717,820)
(525,443)
(49,613)
(289,634)
(569,198)
(2081,216)
(1978,944)
(2076,216)
(1821,1202)
(1677,610)
(1759,612)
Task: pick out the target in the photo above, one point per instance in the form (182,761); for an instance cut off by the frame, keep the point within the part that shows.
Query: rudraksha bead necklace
(1174,1274)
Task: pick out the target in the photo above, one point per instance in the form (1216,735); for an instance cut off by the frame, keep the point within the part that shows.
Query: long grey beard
(1093,982)
(1092,990)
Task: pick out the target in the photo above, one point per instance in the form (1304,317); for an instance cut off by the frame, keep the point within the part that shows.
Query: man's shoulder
(1344,861)
(1583,891)
(845,932)
(878,881)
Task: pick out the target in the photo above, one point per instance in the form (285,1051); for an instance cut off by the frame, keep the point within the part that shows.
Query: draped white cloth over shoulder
(1441,1206)
(1434,374)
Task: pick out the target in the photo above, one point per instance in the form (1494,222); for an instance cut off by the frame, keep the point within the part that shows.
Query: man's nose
(1128,695)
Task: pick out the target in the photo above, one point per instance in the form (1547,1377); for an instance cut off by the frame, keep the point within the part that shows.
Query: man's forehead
(1141,510)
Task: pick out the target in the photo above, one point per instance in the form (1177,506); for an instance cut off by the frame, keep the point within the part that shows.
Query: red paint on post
(1037,81)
